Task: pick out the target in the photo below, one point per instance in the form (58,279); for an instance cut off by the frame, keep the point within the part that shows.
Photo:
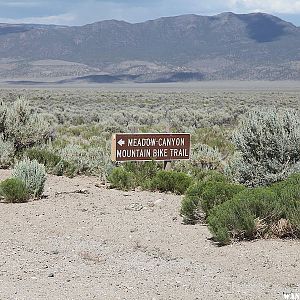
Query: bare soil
(86,242)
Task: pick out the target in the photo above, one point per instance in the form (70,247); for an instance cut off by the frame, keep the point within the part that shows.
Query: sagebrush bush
(76,155)
(89,160)
(7,152)
(22,126)
(206,157)
(13,190)
(171,181)
(32,174)
(267,142)
(121,179)
(215,137)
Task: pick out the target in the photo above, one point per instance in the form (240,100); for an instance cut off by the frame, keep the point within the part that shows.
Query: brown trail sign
(150,146)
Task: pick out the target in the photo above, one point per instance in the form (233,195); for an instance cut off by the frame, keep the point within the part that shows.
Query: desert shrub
(206,157)
(292,183)
(210,175)
(7,151)
(253,213)
(215,193)
(32,174)
(268,146)
(89,160)
(121,179)
(22,126)
(75,155)
(288,192)
(172,181)
(190,210)
(198,173)
(45,157)
(143,172)
(215,137)
(53,163)
(204,195)
(13,190)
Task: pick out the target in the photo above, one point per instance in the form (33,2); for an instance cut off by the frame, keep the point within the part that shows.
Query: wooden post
(167,165)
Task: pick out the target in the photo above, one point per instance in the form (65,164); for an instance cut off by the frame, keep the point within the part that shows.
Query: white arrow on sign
(121,142)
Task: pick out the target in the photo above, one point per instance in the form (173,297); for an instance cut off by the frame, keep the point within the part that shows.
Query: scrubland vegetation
(242,179)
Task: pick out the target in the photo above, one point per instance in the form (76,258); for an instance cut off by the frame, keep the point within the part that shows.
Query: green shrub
(121,179)
(211,176)
(49,159)
(254,213)
(267,143)
(53,163)
(14,191)
(197,172)
(32,174)
(190,203)
(172,181)
(201,197)
(216,193)
(288,193)
(143,172)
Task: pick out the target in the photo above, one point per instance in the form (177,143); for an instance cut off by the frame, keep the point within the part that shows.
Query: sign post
(150,146)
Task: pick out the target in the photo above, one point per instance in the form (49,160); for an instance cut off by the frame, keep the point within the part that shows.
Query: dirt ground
(86,242)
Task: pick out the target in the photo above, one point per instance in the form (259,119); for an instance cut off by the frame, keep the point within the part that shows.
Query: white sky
(76,12)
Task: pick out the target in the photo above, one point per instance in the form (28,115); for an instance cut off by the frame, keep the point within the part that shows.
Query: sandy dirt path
(109,244)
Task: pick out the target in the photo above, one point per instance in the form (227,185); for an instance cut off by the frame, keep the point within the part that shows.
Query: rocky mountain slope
(189,47)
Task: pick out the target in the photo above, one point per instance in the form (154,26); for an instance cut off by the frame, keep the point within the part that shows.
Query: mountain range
(227,46)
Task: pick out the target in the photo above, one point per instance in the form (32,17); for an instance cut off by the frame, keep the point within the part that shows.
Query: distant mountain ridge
(189,47)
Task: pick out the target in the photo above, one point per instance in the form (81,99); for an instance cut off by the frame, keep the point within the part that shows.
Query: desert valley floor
(83,241)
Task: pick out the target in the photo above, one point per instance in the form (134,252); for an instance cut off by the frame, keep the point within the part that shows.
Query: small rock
(82,191)
(51,275)
(158,201)
(134,206)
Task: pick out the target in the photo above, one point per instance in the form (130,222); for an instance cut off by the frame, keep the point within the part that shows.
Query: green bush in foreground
(190,203)
(121,179)
(201,197)
(13,190)
(253,213)
(216,193)
(32,174)
(143,172)
(171,181)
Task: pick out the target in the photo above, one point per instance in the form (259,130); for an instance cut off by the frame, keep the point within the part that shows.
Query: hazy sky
(76,12)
